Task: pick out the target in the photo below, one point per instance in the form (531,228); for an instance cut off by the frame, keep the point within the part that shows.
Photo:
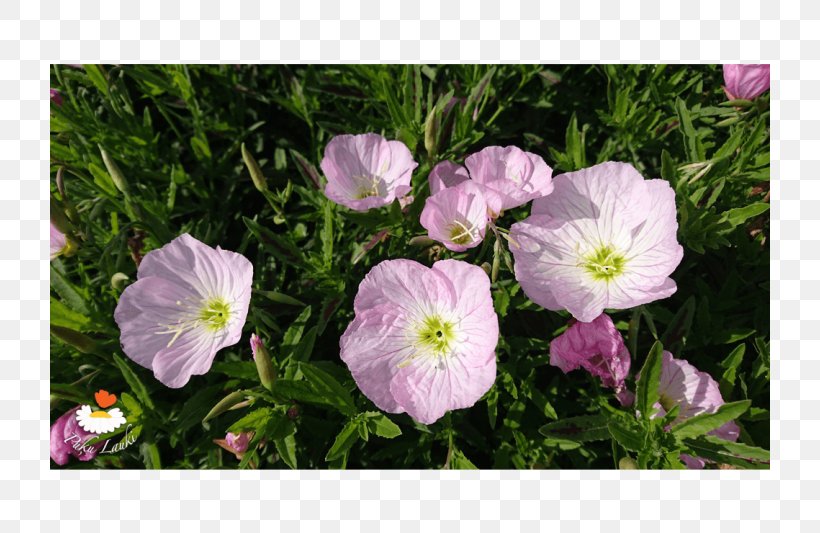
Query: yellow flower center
(99,414)
(604,263)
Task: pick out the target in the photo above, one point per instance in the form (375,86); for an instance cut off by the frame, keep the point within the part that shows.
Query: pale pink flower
(423,339)
(57,242)
(695,393)
(745,81)
(514,175)
(595,346)
(446,174)
(456,216)
(238,442)
(604,239)
(189,302)
(68,439)
(366,171)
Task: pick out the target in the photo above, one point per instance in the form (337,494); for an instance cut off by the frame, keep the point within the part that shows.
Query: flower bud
(258,178)
(114,171)
(238,442)
(267,374)
(118,281)
(431,133)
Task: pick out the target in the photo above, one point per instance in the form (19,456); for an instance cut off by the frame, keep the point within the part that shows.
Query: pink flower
(604,239)
(695,393)
(456,217)
(189,302)
(238,442)
(57,244)
(68,439)
(514,175)
(595,346)
(56,97)
(446,174)
(423,339)
(745,81)
(366,171)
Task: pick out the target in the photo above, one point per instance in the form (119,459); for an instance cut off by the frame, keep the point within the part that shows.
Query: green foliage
(232,155)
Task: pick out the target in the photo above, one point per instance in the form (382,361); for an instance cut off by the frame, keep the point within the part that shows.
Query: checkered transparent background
(34,33)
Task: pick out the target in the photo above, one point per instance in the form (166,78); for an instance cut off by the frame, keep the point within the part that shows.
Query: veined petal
(446,174)
(408,285)
(456,216)
(148,315)
(427,389)
(373,346)
(190,355)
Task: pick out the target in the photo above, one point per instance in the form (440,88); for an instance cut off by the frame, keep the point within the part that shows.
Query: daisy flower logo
(102,420)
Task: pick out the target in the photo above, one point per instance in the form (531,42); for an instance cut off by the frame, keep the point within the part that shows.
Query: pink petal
(746,81)
(57,241)
(516,176)
(596,346)
(405,284)
(456,209)
(446,174)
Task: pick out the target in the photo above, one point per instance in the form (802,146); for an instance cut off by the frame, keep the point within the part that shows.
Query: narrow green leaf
(286,448)
(280,298)
(674,338)
(626,437)
(706,422)
(134,382)
(727,452)
(647,386)
(345,440)
(257,420)
(326,235)
(578,429)
(730,366)
(459,461)
(739,215)
(382,426)
(326,386)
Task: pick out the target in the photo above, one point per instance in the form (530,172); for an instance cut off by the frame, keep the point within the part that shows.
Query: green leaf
(63,316)
(627,438)
(132,407)
(382,426)
(674,338)
(307,170)
(280,298)
(577,429)
(277,245)
(576,151)
(647,386)
(706,422)
(458,461)
(286,448)
(345,440)
(304,349)
(294,333)
(694,147)
(730,366)
(326,386)
(739,215)
(97,77)
(150,456)
(326,235)
(727,452)
(134,382)
(257,420)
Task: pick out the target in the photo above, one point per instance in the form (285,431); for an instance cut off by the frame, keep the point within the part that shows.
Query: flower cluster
(464,200)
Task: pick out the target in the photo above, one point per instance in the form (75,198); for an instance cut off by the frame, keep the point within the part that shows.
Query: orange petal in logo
(104,399)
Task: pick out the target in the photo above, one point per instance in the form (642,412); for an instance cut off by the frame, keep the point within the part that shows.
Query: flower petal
(446,174)
(461,210)
(192,353)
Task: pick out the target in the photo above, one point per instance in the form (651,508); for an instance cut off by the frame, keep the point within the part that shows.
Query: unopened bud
(267,374)
(118,281)
(114,171)
(258,178)
(431,133)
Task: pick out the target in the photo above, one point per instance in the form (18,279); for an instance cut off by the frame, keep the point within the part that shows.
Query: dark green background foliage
(176,131)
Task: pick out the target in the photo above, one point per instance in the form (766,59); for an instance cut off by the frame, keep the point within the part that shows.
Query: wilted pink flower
(456,217)
(423,339)
(239,443)
(56,97)
(189,301)
(745,81)
(69,439)
(595,346)
(366,171)
(514,175)
(57,244)
(604,239)
(695,393)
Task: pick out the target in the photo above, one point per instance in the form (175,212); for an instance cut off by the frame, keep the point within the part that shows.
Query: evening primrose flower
(423,339)
(189,302)
(366,171)
(456,216)
(238,442)
(694,392)
(514,175)
(745,81)
(604,239)
(57,242)
(595,346)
